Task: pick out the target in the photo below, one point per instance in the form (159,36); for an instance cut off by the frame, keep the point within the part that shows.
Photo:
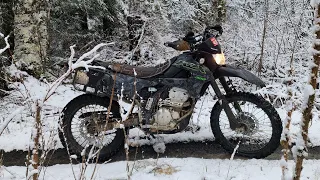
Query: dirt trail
(207,150)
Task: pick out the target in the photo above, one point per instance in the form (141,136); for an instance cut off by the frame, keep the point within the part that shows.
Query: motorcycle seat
(141,72)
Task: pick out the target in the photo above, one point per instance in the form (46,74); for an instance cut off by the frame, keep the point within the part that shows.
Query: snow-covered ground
(173,169)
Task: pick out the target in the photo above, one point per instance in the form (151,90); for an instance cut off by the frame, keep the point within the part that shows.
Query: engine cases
(171,110)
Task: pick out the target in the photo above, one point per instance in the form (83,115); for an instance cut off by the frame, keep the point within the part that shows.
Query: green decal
(200,78)
(191,66)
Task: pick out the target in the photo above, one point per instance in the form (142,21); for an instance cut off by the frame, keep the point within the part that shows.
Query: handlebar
(216,27)
(191,40)
(179,45)
(170,44)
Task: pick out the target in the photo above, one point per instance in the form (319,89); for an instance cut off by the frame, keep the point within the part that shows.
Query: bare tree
(266,5)
(290,107)
(221,10)
(309,97)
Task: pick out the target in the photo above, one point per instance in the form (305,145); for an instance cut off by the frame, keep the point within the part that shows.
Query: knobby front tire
(262,126)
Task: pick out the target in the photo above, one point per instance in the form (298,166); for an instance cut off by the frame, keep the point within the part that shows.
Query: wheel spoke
(87,130)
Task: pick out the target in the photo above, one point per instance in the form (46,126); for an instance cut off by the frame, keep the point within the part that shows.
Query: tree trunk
(31,35)
(135,24)
(266,4)
(285,140)
(3,77)
(290,107)
(221,9)
(308,105)
(36,140)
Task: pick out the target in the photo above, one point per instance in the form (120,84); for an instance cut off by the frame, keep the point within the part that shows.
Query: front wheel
(259,131)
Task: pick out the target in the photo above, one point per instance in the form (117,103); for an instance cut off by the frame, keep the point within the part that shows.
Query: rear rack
(95,81)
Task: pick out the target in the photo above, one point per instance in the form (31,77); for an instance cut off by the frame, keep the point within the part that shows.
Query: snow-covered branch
(7,43)
(300,151)
(80,62)
(139,41)
(9,118)
(92,51)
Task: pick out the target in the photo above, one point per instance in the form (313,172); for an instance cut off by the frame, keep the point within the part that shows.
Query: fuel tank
(181,66)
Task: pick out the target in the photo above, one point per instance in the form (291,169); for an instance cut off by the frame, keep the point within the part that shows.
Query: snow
(159,147)
(73,156)
(314,3)
(308,91)
(7,44)
(17,135)
(234,151)
(173,168)
(9,118)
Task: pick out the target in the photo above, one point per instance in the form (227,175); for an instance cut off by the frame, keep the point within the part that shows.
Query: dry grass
(164,169)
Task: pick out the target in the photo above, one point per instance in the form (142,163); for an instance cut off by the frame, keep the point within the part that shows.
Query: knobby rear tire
(65,121)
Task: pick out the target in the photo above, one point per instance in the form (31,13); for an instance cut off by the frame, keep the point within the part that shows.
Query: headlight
(219,58)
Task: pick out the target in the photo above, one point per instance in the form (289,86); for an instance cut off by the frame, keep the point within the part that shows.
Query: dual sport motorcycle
(165,98)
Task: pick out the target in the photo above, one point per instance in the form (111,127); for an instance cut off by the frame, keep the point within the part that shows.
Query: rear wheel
(83,124)
(260,126)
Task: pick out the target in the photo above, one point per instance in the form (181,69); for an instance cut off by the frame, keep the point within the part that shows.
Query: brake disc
(248,123)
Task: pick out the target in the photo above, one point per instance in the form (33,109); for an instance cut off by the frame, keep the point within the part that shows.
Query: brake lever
(169,44)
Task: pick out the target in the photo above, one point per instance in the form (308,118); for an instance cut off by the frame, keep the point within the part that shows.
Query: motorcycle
(164,97)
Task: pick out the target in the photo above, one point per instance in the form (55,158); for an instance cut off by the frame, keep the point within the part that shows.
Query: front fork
(223,100)
(229,90)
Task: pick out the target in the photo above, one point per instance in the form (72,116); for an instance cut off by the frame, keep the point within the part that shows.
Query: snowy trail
(206,150)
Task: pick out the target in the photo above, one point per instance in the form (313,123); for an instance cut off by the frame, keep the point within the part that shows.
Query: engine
(171,109)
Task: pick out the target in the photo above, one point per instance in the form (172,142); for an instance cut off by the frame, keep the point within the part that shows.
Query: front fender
(231,71)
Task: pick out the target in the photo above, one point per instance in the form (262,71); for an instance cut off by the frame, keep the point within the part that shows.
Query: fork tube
(222,99)
(229,90)
(225,85)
